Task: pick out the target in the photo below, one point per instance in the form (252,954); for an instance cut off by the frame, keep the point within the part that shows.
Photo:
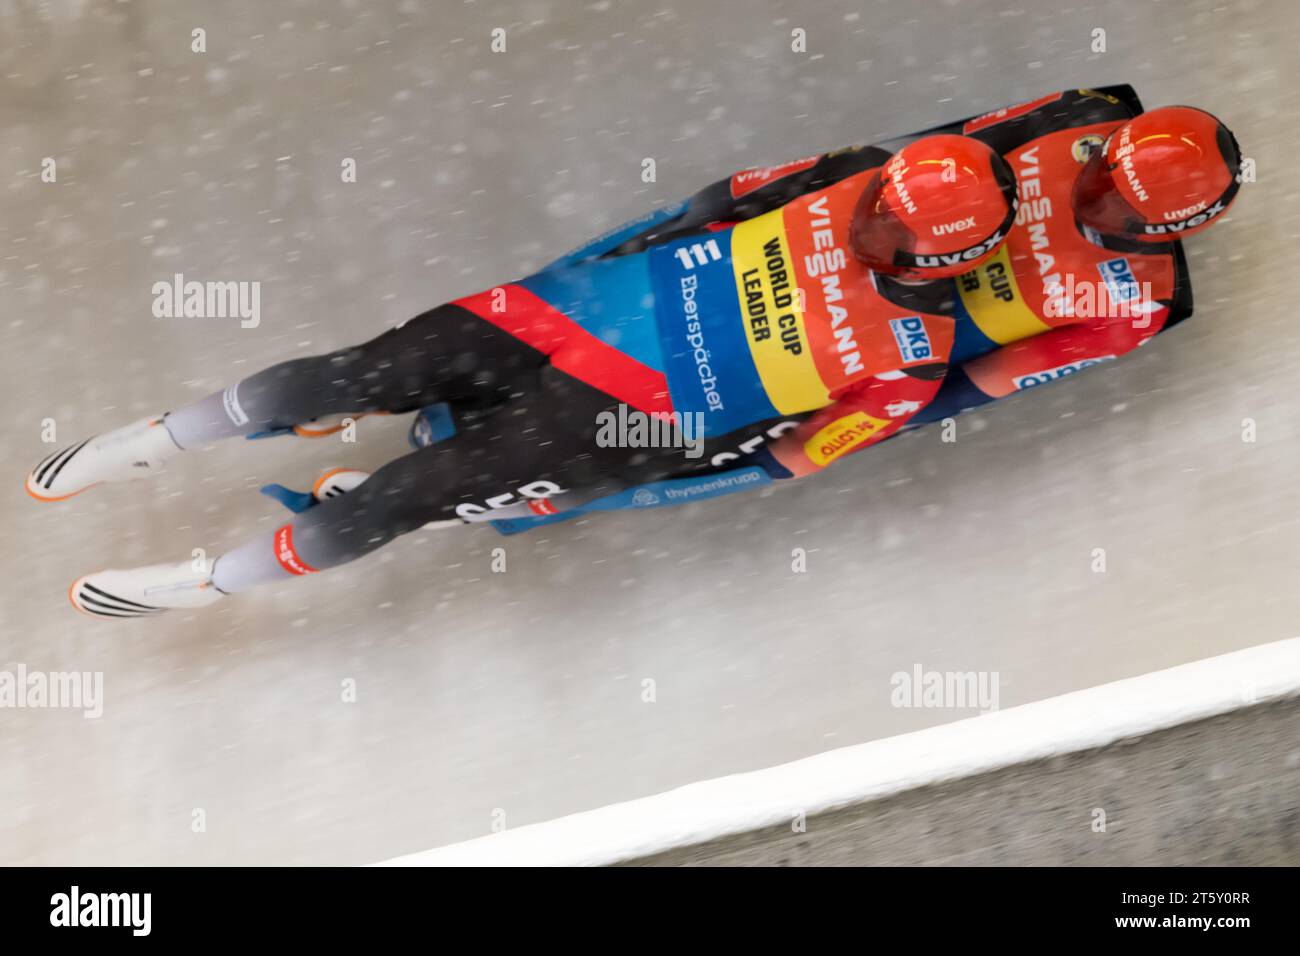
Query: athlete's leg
(544,443)
(444,355)
(532,449)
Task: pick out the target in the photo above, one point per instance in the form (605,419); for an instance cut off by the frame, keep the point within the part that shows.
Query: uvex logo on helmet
(1162,174)
(1184,213)
(935,209)
(947,228)
(1165,228)
(966,258)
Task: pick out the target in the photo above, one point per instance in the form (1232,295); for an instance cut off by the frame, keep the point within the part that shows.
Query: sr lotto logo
(1120,281)
(912,338)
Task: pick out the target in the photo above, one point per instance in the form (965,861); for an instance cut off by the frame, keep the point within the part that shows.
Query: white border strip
(748,801)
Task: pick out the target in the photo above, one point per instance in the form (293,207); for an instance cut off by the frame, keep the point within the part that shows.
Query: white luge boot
(133,451)
(336,482)
(144,592)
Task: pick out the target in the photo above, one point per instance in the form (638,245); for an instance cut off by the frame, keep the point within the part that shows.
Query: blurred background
(486,698)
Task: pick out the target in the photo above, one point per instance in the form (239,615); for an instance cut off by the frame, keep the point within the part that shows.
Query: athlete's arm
(1038,360)
(752,192)
(869,413)
(1012,126)
(741,196)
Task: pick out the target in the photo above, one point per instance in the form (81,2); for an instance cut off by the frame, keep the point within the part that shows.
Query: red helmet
(939,207)
(1163,174)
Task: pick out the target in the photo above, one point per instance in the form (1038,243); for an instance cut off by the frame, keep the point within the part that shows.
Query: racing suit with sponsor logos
(1056,299)
(1051,302)
(741,317)
(754,325)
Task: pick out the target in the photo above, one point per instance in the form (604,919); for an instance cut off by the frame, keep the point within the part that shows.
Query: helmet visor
(877,233)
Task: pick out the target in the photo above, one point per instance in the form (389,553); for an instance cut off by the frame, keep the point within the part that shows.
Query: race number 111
(699,254)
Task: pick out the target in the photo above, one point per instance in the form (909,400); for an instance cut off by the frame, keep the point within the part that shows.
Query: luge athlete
(802,312)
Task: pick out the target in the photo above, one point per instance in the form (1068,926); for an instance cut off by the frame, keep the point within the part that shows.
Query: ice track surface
(518,697)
